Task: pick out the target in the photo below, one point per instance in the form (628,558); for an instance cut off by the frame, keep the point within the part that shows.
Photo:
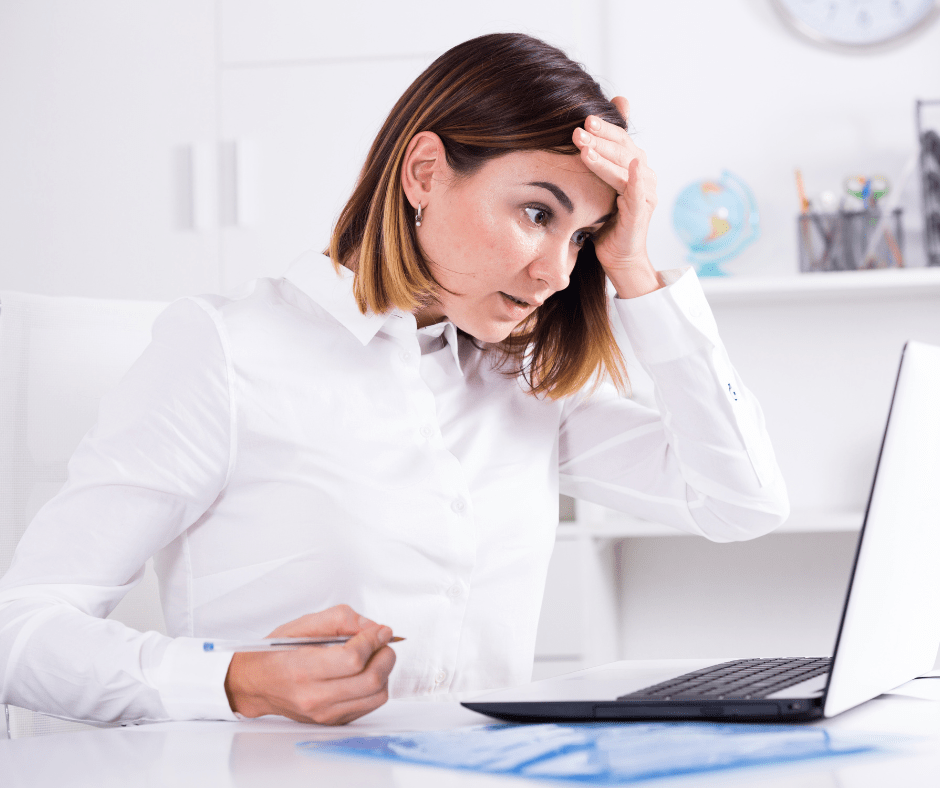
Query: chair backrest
(58,356)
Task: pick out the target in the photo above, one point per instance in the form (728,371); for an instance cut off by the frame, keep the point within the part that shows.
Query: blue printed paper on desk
(603,753)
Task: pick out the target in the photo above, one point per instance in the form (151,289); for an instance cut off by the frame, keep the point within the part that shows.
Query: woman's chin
(489,333)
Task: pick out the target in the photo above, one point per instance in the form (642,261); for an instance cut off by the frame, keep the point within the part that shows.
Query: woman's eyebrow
(564,199)
(559,194)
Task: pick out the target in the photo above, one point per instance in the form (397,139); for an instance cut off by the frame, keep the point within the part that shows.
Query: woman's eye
(580,237)
(538,216)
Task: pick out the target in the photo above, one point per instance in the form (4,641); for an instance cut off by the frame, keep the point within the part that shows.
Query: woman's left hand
(609,152)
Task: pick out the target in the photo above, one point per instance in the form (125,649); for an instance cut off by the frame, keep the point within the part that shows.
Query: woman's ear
(424,169)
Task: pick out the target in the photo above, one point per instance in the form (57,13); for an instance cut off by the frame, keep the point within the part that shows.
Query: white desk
(264,753)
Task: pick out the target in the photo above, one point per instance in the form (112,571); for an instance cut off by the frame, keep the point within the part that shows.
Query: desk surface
(264,753)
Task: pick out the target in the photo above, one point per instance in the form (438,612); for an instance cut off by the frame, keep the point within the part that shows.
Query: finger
(640,189)
(623,107)
(337,620)
(606,130)
(344,618)
(620,152)
(371,683)
(371,680)
(352,657)
(614,175)
(341,712)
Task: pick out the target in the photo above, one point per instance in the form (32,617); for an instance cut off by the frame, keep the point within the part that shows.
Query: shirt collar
(449,331)
(315,275)
(333,290)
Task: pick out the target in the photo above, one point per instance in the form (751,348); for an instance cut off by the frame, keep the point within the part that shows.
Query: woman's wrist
(239,699)
(636,280)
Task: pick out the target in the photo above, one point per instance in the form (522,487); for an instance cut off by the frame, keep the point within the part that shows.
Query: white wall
(98,99)
(724,85)
(773,597)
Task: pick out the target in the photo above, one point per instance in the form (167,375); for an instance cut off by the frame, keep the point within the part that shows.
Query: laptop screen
(890,628)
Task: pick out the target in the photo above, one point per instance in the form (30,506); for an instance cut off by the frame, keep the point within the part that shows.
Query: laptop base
(763,710)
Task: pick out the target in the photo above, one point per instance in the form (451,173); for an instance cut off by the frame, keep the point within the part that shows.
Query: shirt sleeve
(157,458)
(701,461)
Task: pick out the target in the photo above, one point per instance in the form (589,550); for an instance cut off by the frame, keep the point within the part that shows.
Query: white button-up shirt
(279,452)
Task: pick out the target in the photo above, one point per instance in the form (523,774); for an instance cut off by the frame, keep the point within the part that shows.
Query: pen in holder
(840,241)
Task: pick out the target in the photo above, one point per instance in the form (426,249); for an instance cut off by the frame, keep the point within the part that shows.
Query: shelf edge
(624,527)
(842,285)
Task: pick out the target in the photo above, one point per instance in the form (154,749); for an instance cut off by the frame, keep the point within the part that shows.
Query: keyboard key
(737,679)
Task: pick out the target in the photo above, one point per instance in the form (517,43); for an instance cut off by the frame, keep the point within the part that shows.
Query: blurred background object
(840,241)
(716,220)
(928,133)
(856,25)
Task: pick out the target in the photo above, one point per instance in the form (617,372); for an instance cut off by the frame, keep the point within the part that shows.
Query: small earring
(418,216)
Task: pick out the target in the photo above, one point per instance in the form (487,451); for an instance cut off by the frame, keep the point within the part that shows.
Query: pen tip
(396,639)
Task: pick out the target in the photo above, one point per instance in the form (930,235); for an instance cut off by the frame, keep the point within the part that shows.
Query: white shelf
(876,284)
(614,525)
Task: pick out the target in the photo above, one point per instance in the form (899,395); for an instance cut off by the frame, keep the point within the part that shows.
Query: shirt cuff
(670,323)
(191,681)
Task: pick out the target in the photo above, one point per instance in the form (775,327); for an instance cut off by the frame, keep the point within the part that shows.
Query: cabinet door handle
(193,176)
(229,171)
(238,183)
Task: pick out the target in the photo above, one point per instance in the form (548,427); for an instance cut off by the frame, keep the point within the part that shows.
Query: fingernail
(592,154)
(594,123)
(385,634)
(585,137)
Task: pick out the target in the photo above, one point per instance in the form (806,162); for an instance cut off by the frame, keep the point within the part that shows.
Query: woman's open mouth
(514,300)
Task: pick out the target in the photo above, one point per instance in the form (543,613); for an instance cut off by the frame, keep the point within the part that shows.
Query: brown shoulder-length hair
(484,98)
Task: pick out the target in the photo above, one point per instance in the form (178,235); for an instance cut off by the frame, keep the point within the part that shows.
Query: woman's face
(506,238)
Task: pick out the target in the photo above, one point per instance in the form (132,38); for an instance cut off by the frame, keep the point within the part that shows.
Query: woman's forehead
(540,167)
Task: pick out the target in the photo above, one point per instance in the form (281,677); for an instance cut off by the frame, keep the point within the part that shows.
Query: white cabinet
(104,103)
(298,136)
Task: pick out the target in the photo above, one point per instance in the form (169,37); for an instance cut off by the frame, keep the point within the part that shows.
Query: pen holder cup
(839,241)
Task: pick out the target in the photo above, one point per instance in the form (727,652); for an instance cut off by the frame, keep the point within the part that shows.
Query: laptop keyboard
(742,678)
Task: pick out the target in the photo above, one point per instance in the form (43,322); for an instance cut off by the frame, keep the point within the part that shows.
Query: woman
(386,436)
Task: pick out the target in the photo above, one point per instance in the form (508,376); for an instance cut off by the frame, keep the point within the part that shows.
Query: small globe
(716,220)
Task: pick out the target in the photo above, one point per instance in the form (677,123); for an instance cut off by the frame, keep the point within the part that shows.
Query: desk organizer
(838,241)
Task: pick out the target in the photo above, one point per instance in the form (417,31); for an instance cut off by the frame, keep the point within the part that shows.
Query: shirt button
(695,310)
(455,592)
(459,505)
(440,677)
(405,356)
(427,431)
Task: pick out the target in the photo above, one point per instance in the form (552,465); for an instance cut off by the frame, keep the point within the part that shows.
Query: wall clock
(856,24)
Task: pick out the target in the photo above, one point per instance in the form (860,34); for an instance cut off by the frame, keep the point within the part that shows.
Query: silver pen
(278,644)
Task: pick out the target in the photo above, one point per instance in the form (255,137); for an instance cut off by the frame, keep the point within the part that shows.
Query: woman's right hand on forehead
(610,153)
(329,686)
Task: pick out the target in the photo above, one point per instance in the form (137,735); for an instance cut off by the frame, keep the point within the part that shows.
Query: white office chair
(58,356)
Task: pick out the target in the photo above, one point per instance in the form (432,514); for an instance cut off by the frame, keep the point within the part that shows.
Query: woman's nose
(553,266)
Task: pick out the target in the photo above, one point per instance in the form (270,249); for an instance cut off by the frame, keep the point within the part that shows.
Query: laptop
(890,627)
